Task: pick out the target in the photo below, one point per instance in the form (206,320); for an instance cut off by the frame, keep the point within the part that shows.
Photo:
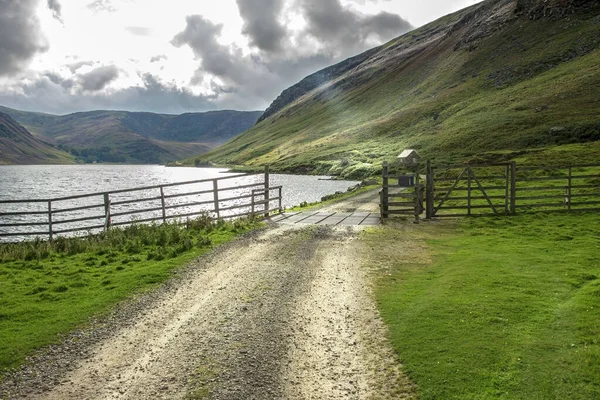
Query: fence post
(50,234)
(513,187)
(429,191)
(106,211)
(417,194)
(216,195)
(384,192)
(569,188)
(252,204)
(469,190)
(280,201)
(162,201)
(267,191)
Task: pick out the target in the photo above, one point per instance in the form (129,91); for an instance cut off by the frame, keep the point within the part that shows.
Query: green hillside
(18,146)
(135,137)
(498,80)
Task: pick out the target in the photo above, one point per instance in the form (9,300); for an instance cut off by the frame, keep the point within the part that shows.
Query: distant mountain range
(500,80)
(17,146)
(121,136)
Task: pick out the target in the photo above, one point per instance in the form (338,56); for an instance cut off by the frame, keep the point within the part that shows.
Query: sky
(176,56)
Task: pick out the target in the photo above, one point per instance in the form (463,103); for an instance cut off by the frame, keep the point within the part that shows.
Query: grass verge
(488,308)
(50,288)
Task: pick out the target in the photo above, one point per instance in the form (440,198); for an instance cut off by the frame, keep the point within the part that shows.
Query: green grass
(47,289)
(498,101)
(487,308)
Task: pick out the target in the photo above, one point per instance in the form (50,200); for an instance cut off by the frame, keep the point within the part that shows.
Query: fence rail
(492,189)
(157,203)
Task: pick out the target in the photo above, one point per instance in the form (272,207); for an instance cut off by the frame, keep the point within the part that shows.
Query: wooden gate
(402,192)
(469,190)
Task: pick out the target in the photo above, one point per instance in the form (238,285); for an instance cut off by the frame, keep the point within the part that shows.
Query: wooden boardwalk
(328,218)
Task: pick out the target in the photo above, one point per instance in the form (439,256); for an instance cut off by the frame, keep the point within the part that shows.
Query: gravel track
(283,313)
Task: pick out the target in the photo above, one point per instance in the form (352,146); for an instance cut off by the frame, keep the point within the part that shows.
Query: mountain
(18,146)
(499,80)
(137,137)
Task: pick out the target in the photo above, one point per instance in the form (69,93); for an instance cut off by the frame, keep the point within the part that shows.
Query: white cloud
(245,59)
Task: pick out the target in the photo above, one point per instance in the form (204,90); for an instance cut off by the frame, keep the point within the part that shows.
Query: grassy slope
(18,146)
(494,307)
(47,290)
(502,95)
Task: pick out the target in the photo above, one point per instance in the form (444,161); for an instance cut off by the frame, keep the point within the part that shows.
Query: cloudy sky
(174,56)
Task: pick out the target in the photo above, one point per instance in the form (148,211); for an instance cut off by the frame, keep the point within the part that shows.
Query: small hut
(409,157)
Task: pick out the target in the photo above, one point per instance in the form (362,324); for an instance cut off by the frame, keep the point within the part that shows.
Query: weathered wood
(554,196)
(472,197)
(550,167)
(133,212)
(544,205)
(401,204)
(449,192)
(483,191)
(171,196)
(280,195)
(134,201)
(385,191)
(469,175)
(418,199)
(191,204)
(83,228)
(38,233)
(464,207)
(162,203)
(216,197)
(70,221)
(106,211)
(267,191)
(25,224)
(429,195)
(537,188)
(6,214)
(64,210)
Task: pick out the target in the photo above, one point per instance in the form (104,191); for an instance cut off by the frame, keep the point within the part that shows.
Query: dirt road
(284,313)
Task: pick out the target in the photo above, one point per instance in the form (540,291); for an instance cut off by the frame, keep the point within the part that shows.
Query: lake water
(54,181)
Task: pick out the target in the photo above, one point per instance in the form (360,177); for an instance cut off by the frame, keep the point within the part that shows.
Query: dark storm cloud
(56,9)
(98,78)
(50,93)
(20,35)
(335,26)
(201,35)
(261,23)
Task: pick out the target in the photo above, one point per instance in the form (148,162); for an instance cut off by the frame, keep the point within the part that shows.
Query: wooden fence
(172,201)
(492,189)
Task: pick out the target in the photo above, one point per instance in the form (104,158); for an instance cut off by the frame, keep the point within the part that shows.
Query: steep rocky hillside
(498,80)
(138,137)
(18,146)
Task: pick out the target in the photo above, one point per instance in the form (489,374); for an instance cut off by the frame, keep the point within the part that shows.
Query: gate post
(267,191)
(429,192)
(384,192)
(418,200)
